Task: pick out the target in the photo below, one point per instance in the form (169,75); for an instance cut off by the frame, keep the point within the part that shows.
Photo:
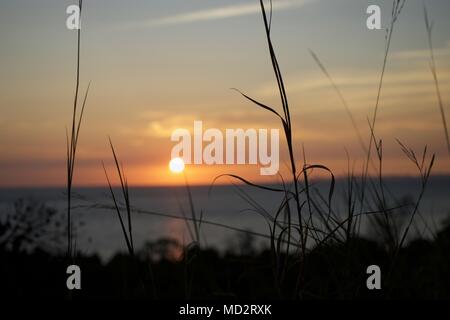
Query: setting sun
(176,165)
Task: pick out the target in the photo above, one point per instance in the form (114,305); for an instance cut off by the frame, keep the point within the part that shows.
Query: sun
(176,165)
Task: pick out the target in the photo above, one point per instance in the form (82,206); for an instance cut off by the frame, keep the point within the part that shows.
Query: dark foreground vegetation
(166,270)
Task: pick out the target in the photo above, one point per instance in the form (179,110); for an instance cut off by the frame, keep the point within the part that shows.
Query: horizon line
(200,185)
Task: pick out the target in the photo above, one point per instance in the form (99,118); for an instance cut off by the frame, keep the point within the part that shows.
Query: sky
(155,66)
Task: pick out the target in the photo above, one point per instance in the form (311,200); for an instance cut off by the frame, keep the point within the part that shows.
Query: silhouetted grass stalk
(429,27)
(195,221)
(127,231)
(397,6)
(72,142)
(341,97)
(303,228)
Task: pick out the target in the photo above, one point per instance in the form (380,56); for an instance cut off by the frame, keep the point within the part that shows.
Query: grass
(306,220)
(397,6)
(316,219)
(301,208)
(127,231)
(429,28)
(341,97)
(72,141)
(309,208)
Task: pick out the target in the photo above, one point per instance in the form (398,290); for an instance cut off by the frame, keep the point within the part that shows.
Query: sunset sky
(156,66)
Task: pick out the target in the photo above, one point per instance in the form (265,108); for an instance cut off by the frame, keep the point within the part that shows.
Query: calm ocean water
(100,230)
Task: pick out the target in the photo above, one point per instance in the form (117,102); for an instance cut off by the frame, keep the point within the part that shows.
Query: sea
(229,214)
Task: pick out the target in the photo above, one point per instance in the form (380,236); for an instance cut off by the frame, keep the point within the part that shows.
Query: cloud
(223,12)
(358,80)
(421,54)
(161,124)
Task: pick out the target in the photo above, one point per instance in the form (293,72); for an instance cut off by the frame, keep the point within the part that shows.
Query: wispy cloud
(222,12)
(421,54)
(357,80)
